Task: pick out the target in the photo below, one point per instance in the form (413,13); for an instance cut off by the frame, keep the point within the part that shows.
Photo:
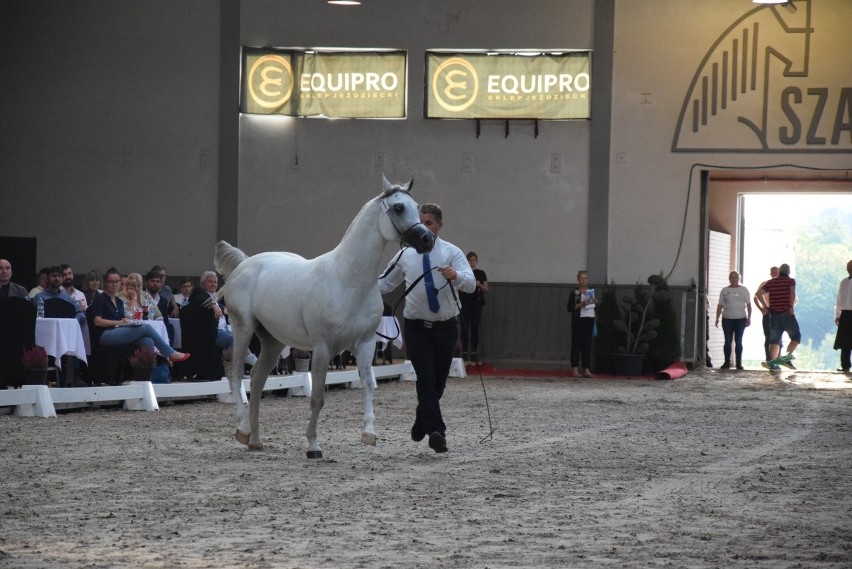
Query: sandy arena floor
(712,470)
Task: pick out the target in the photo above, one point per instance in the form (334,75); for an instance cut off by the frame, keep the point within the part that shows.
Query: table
(61,336)
(159,327)
(389,326)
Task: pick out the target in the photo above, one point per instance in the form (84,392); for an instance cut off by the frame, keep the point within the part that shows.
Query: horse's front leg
(364,356)
(319,369)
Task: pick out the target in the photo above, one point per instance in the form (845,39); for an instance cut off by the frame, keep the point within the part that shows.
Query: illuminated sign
(299,83)
(508,85)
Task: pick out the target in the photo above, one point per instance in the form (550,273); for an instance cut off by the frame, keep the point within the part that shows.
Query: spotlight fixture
(770,1)
(345,2)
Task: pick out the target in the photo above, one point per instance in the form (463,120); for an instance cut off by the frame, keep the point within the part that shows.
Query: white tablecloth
(389,326)
(60,336)
(159,326)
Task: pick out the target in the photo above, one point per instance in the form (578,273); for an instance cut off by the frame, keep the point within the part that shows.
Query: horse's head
(402,221)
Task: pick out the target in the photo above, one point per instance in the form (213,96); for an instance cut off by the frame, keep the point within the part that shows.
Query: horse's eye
(398,208)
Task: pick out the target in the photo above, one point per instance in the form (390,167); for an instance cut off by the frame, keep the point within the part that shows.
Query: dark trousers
(845,356)
(733,329)
(431,353)
(470,318)
(581,341)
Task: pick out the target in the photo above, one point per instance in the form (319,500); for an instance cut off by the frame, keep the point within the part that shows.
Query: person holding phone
(581,305)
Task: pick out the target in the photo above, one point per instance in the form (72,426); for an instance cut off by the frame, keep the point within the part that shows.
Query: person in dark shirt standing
(781,293)
(471,311)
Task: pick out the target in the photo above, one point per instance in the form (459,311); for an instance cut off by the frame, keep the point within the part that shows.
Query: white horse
(327,304)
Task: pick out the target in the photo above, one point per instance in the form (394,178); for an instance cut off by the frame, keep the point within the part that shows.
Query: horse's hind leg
(270,349)
(364,356)
(242,336)
(319,369)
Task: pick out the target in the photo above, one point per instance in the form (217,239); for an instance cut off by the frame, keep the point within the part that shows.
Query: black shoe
(437,442)
(417,433)
(726,365)
(740,366)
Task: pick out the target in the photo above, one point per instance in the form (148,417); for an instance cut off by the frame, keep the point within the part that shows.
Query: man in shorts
(781,294)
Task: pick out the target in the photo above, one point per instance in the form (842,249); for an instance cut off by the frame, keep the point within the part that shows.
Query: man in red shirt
(781,292)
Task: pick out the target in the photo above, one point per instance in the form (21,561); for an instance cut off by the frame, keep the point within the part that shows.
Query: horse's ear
(407,187)
(387,187)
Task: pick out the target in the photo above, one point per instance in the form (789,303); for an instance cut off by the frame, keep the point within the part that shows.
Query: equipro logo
(754,91)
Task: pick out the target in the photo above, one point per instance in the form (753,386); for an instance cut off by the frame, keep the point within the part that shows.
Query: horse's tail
(227,258)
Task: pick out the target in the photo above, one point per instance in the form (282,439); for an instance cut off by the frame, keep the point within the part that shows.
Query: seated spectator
(205,294)
(135,297)
(91,286)
(182,298)
(111,326)
(68,285)
(153,288)
(165,291)
(42,282)
(7,287)
(54,290)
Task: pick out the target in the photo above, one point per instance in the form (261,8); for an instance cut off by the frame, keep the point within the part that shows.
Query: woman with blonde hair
(135,297)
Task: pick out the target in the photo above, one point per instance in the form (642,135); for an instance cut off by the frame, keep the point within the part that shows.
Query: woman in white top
(735,309)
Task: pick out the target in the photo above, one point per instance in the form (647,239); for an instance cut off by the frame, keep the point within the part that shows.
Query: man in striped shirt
(781,292)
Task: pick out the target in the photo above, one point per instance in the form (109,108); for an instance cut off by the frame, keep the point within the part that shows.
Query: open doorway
(766,221)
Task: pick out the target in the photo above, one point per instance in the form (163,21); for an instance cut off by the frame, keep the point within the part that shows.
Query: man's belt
(434,324)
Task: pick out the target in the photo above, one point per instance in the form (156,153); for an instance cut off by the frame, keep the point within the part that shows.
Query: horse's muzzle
(420,238)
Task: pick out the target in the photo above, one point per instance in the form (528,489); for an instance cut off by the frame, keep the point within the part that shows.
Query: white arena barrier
(298,383)
(29,401)
(457,368)
(221,389)
(137,395)
(40,400)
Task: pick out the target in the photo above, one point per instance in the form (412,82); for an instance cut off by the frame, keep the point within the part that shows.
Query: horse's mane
(396,188)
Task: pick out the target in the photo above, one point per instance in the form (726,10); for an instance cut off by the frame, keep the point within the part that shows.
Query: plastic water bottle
(40,308)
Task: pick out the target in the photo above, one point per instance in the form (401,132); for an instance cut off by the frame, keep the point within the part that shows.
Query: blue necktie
(431,293)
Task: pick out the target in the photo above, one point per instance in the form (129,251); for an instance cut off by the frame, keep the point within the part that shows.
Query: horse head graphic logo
(753,92)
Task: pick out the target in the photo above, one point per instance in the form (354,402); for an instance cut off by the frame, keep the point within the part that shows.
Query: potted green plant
(142,362)
(636,325)
(301,359)
(35,366)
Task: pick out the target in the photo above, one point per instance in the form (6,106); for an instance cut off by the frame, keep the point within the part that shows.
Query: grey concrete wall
(526,224)
(109,131)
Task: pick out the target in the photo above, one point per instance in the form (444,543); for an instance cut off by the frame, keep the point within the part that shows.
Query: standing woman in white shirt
(735,310)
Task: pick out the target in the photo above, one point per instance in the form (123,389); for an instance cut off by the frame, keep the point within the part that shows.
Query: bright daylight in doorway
(813,234)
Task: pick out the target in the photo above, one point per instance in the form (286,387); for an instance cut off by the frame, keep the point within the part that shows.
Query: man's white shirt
(410,266)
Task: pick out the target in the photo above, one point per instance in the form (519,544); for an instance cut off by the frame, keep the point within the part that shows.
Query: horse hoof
(242,437)
(368,439)
(257,446)
(314,454)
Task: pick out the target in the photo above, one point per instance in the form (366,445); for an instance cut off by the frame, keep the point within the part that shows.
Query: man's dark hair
(55,269)
(64,266)
(152,274)
(433,209)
